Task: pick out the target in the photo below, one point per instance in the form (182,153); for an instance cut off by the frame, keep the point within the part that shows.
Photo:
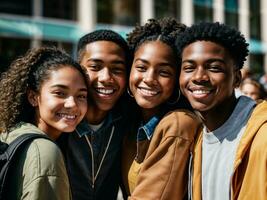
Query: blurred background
(32,23)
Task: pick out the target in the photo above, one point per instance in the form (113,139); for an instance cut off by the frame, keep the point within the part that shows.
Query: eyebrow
(101,61)
(65,87)
(209,60)
(140,59)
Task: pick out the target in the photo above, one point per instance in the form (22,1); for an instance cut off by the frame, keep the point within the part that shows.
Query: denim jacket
(93,158)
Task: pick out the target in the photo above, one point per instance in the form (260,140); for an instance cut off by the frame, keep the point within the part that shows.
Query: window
(255,29)
(168,8)
(10,49)
(17,7)
(62,9)
(231,13)
(120,12)
(203,10)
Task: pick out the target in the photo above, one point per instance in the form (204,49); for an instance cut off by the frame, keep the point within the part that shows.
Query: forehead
(205,50)
(155,50)
(65,75)
(101,49)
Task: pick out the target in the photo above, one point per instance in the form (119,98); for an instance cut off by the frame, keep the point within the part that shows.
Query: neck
(148,113)
(95,116)
(49,131)
(217,116)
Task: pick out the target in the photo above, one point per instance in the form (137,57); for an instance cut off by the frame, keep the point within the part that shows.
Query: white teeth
(201,91)
(67,116)
(148,92)
(105,91)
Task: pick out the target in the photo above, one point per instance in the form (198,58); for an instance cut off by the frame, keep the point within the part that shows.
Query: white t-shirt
(219,149)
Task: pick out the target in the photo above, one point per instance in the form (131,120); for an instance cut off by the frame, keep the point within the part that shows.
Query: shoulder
(183,115)
(46,151)
(180,123)
(44,158)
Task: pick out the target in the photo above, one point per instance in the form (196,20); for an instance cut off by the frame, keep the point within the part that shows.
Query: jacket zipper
(93,161)
(95,175)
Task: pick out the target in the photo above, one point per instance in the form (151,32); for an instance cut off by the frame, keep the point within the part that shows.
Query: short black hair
(103,35)
(224,35)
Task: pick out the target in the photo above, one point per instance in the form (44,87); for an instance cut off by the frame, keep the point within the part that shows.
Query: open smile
(148,92)
(67,116)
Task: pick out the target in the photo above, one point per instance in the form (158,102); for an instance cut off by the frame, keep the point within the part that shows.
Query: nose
(105,75)
(150,77)
(200,75)
(70,102)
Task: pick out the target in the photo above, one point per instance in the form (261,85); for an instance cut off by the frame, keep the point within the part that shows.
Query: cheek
(92,77)
(47,103)
(122,82)
(134,77)
(183,79)
(83,107)
(168,87)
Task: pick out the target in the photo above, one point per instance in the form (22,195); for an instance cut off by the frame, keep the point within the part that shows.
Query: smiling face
(251,90)
(61,102)
(208,76)
(106,66)
(153,74)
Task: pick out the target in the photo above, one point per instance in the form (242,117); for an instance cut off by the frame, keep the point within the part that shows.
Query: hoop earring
(176,100)
(129,92)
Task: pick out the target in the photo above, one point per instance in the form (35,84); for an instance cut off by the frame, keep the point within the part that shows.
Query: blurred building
(31,23)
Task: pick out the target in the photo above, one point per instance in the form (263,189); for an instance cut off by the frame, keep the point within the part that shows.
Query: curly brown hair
(28,73)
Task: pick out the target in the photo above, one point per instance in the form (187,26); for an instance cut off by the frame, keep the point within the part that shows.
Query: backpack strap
(10,154)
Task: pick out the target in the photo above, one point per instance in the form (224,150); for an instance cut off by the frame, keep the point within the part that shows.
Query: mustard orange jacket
(164,172)
(249,179)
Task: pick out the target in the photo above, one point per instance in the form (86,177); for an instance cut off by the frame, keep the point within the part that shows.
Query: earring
(176,100)
(129,92)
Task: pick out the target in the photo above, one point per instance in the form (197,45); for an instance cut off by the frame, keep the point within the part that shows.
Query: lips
(148,92)
(105,91)
(200,92)
(67,116)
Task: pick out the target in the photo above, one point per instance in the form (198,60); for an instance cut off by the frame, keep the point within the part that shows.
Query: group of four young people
(147,142)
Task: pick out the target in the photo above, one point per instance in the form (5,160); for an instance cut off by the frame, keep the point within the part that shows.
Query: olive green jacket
(40,172)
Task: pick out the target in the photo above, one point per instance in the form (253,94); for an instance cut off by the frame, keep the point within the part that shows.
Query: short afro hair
(226,36)
(103,35)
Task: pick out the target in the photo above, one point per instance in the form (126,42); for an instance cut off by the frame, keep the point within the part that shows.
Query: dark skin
(106,67)
(208,79)
(152,77)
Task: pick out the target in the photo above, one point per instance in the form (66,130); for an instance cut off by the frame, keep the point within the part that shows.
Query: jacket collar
(84,129)
(257,119)
(145,132)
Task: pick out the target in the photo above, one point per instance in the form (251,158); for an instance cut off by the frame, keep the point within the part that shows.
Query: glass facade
(256,64)
(119,12)
(18,28)
(168,8)
(255,30)
(10,49)
(17,7)
(231,12)
(203,10)
(60,9)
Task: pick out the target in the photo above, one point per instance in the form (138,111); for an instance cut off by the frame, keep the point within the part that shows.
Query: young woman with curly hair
(156,152)
(43,92)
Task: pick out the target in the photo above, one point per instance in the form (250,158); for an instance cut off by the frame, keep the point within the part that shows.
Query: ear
(32,98)
(238,78)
